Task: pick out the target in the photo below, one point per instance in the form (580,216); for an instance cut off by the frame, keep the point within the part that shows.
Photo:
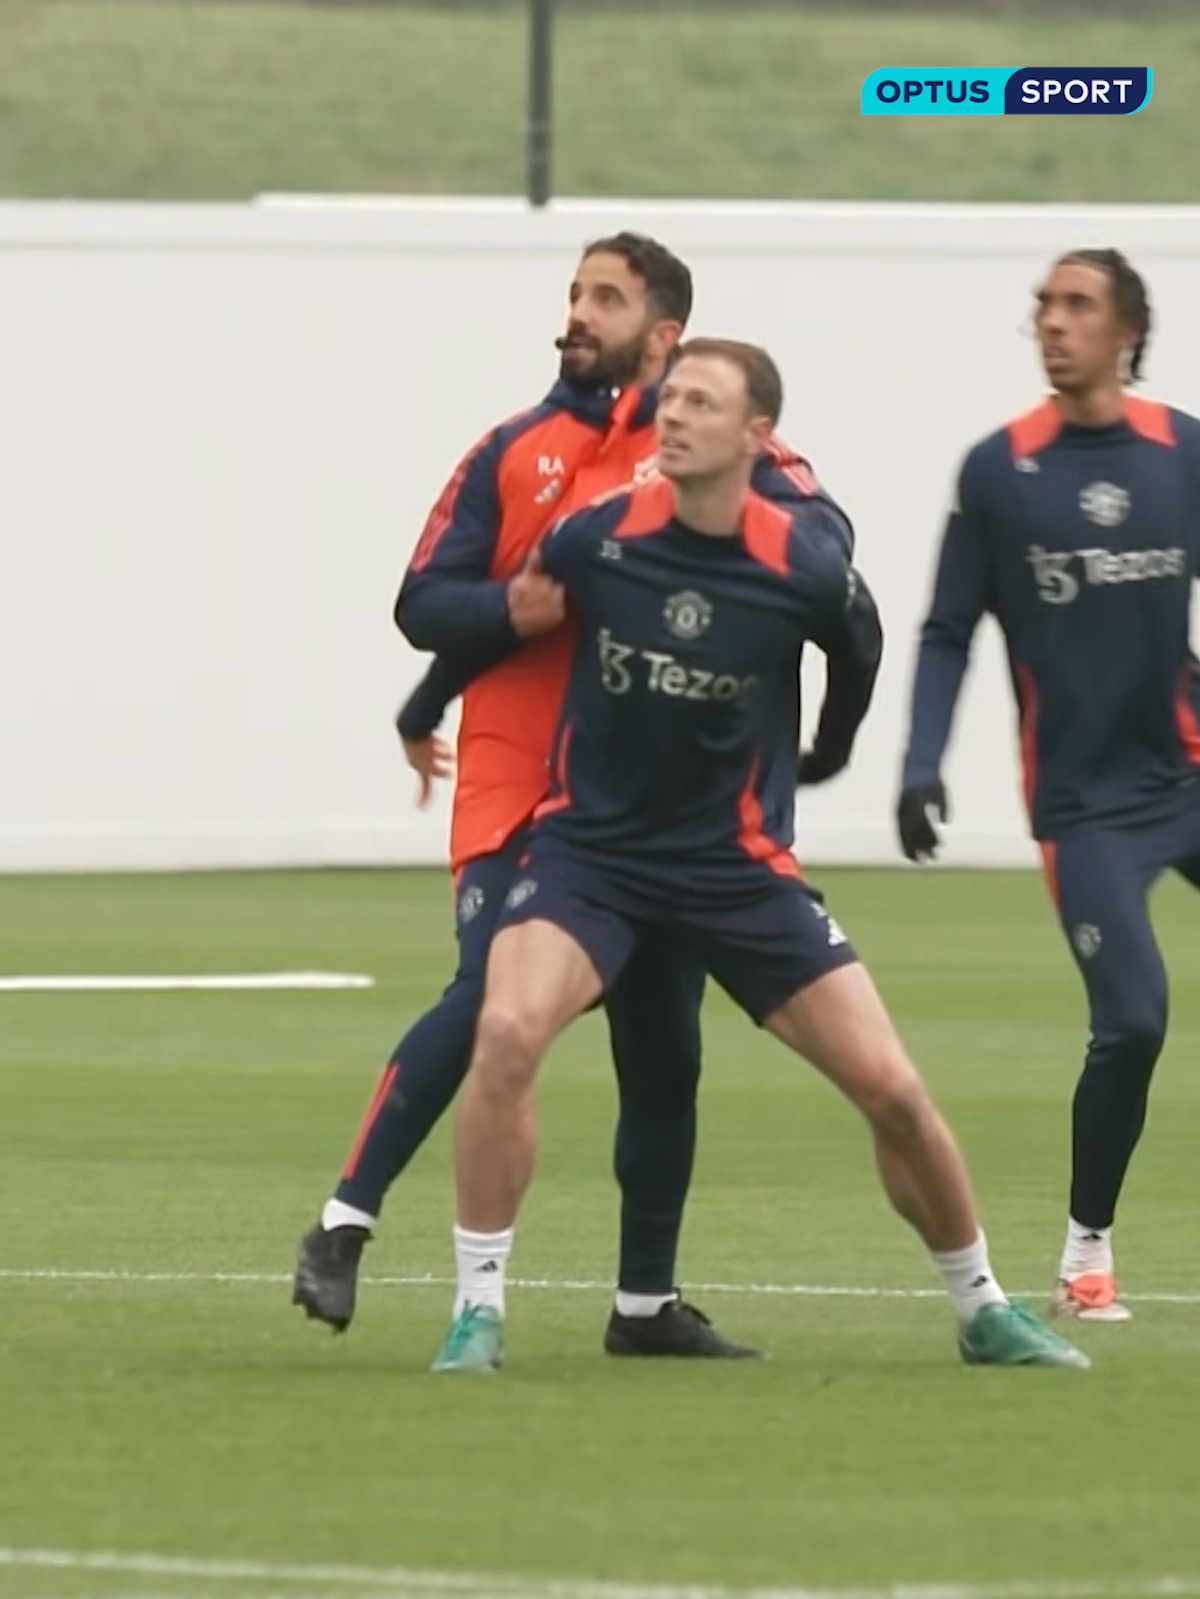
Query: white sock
(641,1304)
(967,1274)
(1087,1249)
(336,1214)
(481,1259)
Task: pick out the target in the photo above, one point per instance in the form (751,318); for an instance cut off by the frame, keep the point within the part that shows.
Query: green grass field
(161,1399)
(204,100)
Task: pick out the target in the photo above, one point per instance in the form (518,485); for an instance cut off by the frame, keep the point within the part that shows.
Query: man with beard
(471,596)
(680,693)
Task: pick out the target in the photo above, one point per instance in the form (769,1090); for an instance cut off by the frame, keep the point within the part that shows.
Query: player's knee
(680,1052)
(458,1008)
(461,1004)
(665,1078)
(1137,1034)
(897,1104)
(508,1045)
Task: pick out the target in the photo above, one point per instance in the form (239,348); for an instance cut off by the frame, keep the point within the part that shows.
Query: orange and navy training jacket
(508,490)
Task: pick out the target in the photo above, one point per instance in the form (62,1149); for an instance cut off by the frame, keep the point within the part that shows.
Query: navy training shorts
(762,934)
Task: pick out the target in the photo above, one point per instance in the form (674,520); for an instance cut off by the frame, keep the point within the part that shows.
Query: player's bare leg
(538,980)
(840,1024)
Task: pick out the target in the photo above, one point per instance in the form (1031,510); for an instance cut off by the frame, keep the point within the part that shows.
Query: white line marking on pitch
(406,1584)
(54,1274)
(166,983)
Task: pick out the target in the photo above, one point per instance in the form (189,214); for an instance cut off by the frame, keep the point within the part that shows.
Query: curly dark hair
(668,281)
(1130,296)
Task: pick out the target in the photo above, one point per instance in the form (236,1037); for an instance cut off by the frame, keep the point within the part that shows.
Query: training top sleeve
(786,479)
(448,601)
(423,710)
(1187,430)
(565,552)
(961,593)
(847,630)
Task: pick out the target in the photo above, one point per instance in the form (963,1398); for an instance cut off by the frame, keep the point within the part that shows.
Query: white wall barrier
(220,428)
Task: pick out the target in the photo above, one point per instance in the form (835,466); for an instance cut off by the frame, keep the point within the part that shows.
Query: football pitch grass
(216,99)
(173,1428)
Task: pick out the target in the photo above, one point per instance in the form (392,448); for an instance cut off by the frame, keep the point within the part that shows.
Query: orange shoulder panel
(765,529)
(651,506)
(1151,419)
(1034,430)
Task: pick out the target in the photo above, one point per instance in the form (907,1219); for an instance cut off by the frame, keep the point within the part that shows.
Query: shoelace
(461,1332)
(1025,1315)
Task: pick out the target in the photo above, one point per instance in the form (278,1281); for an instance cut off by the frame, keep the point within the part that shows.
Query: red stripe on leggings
(382,1089)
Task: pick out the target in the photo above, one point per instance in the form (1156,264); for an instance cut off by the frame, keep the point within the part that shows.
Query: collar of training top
(596,405)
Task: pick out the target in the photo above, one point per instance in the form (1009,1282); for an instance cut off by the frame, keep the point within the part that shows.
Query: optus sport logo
(1005,91)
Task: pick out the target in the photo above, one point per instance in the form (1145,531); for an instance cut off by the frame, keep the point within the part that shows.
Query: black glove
(919,838)
(813,767)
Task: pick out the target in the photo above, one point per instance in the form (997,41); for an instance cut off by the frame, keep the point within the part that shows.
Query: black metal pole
(541,111)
